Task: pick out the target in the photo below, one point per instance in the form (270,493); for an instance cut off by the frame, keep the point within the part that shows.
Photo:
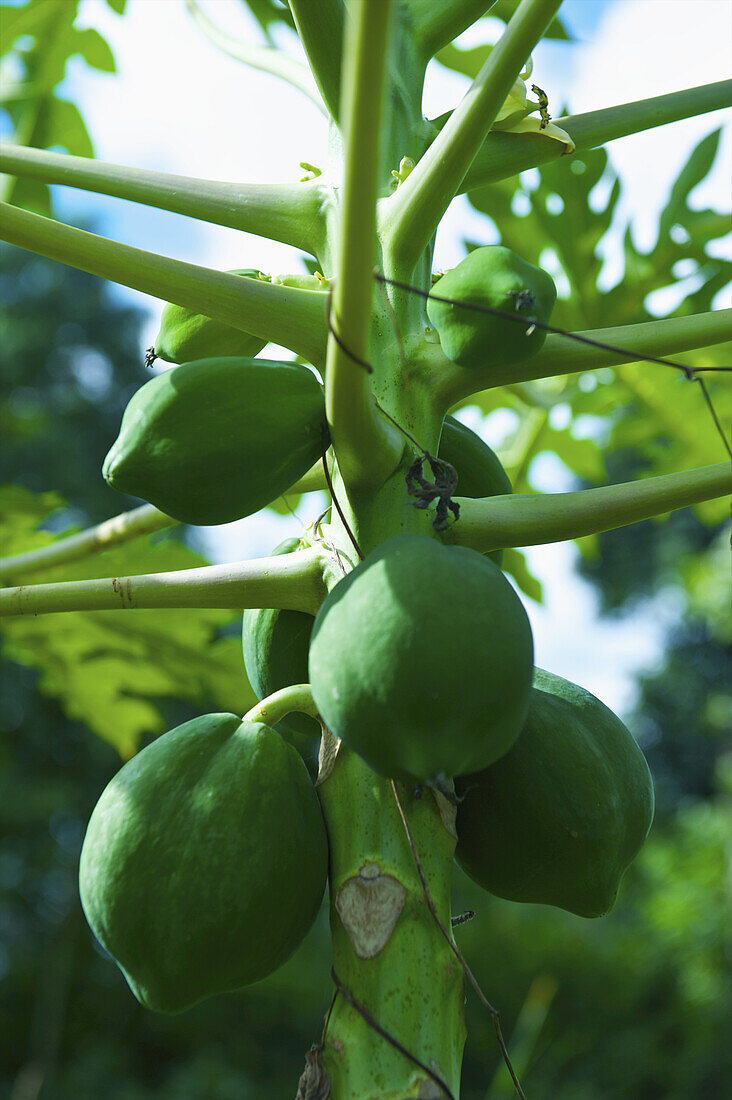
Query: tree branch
(529,520)
(266,59)
(290,213)
(505,154)
(290,581)
(112,532)
(320,27)
(411,217)
(284,315)
(366,446)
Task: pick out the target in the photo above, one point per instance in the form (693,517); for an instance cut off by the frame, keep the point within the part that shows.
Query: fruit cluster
(206,858)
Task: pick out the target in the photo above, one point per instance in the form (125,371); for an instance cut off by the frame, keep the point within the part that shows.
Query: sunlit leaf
(108,669)
(95,50)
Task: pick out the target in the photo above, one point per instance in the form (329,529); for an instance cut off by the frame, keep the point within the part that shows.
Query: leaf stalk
(293,582)
(290,213)
(367,448)
(285,315)
(529,520)
(111,532)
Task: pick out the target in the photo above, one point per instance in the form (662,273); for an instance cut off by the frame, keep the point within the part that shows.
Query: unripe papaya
(218,439)
(495,277)
(204,862)
(558,819)
(186,335)
(480,473)
(275,645)
(479,470)
(421,660)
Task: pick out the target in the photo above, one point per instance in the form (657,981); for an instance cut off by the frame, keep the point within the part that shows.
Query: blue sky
(178,105)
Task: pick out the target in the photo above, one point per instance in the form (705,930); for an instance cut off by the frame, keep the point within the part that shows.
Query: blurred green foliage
(37,41)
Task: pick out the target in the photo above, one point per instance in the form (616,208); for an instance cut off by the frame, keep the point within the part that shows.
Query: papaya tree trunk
(397,979)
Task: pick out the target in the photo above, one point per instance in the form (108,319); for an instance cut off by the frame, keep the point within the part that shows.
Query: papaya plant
(206,857)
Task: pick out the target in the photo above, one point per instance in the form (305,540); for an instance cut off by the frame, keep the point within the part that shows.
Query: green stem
(290,213)
(412,216)
(297,697)
(112,532)
(266,59)
(366,446)
(563,355)
(529,520)
(506,154)
(313,480)
(320,27)
(290,581)
(287,316)
(388,950)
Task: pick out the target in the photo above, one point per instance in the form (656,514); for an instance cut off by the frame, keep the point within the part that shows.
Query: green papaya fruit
(275,645)
(218,439)
(421,660)
(495,277)
(480,473)
(185,335)
(479,469)
(558,819)
(205,861)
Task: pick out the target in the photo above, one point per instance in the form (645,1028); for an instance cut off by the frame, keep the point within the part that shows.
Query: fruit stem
(280,703)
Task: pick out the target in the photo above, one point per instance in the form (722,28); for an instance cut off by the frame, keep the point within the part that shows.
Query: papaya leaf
(514,563)
(32,19)
(694,171)
(37,117)
(469,61)
(32,195)
(566,220)
(109,670)
(61,124)
(582,457)
(95,50)
(269,13)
